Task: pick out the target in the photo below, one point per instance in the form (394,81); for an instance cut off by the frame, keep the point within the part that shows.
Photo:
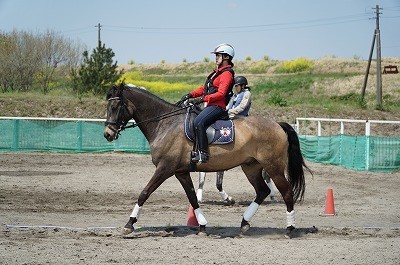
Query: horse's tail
(295,163)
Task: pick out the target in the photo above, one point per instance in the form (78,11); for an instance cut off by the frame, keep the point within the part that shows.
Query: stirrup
(199,157)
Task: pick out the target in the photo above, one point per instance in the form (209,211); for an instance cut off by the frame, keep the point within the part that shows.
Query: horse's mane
(116,90)
(146,93)
(149,94)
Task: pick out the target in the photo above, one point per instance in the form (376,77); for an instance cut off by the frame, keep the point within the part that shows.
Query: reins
(160,117)
(135,124)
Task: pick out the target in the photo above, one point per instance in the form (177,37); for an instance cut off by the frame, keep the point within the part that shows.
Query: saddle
(220,132)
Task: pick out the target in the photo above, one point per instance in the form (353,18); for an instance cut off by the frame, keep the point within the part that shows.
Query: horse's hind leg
(225,197)
(269,183)
(285,189)
(199,193)
(254,175)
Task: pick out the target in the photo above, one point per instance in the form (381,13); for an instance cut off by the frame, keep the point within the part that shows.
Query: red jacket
(221,83)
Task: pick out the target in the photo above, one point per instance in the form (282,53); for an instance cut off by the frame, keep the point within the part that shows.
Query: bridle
(122,109)
(119,123)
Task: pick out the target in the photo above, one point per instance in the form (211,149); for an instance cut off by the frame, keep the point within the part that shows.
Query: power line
(349,18)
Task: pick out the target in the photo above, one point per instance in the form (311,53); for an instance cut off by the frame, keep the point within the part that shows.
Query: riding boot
(201,154)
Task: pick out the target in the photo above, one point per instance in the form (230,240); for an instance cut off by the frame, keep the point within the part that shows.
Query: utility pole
(378,61)
(98,34)
(376,38)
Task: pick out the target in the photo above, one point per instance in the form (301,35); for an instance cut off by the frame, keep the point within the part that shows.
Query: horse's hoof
(244,227)
(128,229)
(229,201)
(202,233)
(289,231)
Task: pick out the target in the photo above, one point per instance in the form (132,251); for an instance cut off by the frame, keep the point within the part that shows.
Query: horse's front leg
(160,175)
(187,184)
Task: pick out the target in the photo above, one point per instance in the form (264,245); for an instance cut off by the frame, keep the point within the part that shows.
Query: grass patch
(301,94)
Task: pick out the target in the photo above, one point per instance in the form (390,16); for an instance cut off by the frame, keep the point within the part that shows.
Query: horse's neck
(149,108)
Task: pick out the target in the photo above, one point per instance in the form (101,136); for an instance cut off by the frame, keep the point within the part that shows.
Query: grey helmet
(240,80)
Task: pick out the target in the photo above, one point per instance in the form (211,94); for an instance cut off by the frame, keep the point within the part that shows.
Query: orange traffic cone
(191,217)
(329,204)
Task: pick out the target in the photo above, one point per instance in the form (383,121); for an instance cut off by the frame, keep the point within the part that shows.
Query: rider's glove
(183,99)
(186,97)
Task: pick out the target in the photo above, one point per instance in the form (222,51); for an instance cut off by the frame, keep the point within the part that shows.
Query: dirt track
(69,209)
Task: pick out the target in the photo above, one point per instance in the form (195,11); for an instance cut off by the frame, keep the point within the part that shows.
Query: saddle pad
(220,132)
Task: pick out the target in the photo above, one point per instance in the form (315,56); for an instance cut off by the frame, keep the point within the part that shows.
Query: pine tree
(97,72)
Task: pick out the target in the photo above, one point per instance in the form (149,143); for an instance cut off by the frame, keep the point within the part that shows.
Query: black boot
(201,154)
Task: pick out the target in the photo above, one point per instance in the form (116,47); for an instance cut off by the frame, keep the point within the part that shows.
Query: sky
(149,31)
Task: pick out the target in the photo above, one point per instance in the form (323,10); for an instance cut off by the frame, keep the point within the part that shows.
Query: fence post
(79,135)
(367,134)
(15,135)
(319,128)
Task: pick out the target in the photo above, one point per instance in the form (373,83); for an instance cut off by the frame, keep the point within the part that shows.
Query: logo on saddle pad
(220,132)
(225,132)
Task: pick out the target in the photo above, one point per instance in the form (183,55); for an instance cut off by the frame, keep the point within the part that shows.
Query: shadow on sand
(218,232)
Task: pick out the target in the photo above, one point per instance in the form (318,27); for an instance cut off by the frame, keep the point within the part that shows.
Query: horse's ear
(110,92)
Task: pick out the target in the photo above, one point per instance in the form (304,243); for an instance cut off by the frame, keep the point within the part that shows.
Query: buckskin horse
(259,143)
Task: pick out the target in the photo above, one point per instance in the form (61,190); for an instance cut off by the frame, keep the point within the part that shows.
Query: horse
(228,200)
(259,143)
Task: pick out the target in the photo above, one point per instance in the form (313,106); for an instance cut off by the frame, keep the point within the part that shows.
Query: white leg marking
(200,217)
(271,187)
(250,211)
(223,194)
(199,195)
(290,217)
(136,211)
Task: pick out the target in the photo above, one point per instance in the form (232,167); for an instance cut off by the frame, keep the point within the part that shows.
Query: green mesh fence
(20,135)
(27,135)
(353,152)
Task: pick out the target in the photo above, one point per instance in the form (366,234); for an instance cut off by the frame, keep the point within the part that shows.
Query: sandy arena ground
(70,209)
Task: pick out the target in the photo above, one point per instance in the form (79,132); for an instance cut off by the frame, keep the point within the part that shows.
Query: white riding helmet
(224,48)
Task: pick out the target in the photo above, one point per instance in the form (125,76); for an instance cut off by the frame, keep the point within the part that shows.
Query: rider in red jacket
(222,83)
(214,94)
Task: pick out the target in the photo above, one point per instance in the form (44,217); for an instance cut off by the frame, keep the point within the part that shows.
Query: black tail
(296,163)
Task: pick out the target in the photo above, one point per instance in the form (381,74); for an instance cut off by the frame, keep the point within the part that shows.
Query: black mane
(147,94)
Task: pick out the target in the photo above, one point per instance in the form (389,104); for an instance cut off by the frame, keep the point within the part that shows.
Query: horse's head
(118,113)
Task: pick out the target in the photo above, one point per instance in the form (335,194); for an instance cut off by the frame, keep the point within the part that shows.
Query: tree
(55,51)
(29,60)
(96,73)
(19,61)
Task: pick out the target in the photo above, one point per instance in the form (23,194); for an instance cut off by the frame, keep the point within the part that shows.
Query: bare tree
(28,59)
(56,51)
